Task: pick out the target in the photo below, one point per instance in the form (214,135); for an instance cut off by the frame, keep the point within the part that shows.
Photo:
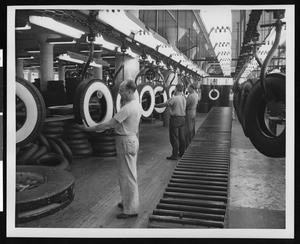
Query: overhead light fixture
(33,50)
(56,26)
(99,39)
(25,57)
(66,57)
(80,59)
(120,20)
(26,27)
(66,40)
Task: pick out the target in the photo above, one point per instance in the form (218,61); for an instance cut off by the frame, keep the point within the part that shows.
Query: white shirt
(129,118)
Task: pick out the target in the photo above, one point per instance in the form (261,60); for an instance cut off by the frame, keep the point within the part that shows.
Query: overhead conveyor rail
(196,196)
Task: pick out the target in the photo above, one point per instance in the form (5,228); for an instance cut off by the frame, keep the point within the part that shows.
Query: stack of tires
(55,94)
(104,144)
(53,129)
(45,152)
(77,140)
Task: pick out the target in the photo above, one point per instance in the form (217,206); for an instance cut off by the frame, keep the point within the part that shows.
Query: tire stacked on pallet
(77,140)
(55,94)
(53,129)
(104,144)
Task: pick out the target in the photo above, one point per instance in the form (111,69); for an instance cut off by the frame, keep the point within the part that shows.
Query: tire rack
(196,195)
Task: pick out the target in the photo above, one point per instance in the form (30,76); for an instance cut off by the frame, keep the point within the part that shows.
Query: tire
(43,141)
(142,90)
(36,112)
(27,153)
(107,148)
(103,138)
(103,144)
(54,124)
(74,142)
(85,93)
(170,90)
(75,136)
(61,110)
(83,152)
(271,146)
(212,97)
(105,154)
(54,160)
(247,86)
(55,193)
(157,90)
(42,151)
(55,147)
(117,100)
(65,148)
(53,130)
(52,135)
(75,147)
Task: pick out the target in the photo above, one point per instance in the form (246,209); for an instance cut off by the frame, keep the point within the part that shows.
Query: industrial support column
(130,70)
(46,60)
(19,67)
(61,70)
(98,70)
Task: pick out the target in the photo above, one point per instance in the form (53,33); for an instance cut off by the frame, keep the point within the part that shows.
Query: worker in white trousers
(126,123)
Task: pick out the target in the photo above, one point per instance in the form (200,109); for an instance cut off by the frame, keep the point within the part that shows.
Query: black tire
(27,153)
(83,152)
(65,148)
(35,109)
(147,106)
(52,130)
(75,147)
(160,96)
(103,144)
(82,97)
(75,142)
(43,141)
(61,110)
(102,138)
(75,136)
(42,151)
(55,193)
(54,124)
(55,147)
(105,154)
(107,148)
(52,135)
(54,160)
(271,146)
(247,86)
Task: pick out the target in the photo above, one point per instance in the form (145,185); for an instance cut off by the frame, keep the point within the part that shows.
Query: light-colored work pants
(127,150)
(190,118)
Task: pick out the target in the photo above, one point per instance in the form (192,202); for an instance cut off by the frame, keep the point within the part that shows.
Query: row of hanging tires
(93,103)
(256,111)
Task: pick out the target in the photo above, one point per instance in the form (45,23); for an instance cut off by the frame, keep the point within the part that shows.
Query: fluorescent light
(26,27)
(104,43)
(33,51)
(25,57)
(56,26)
(93,64)
(119,20)
(60,40)
(66,57)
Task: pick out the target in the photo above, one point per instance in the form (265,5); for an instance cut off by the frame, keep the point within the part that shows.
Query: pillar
(19,67)
(46,59)
(61,70)
(130,70)
(98,70)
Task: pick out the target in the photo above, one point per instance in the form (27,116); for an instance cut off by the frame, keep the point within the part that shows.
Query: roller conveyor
(196,195)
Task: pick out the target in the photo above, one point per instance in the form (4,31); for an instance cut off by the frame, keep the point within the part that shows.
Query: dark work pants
(177,135)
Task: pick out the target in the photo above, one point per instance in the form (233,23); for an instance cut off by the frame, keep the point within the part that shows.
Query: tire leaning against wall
(35,111)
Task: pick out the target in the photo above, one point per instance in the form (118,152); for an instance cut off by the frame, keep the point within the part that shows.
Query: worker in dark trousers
(126,123)
(190,114)
(177,105)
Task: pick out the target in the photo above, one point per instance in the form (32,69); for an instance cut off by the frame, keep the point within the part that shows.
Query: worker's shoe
(120,205)
(126,216)
(172,157)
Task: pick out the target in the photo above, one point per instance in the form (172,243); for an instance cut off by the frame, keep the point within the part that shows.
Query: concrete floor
(257,186)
